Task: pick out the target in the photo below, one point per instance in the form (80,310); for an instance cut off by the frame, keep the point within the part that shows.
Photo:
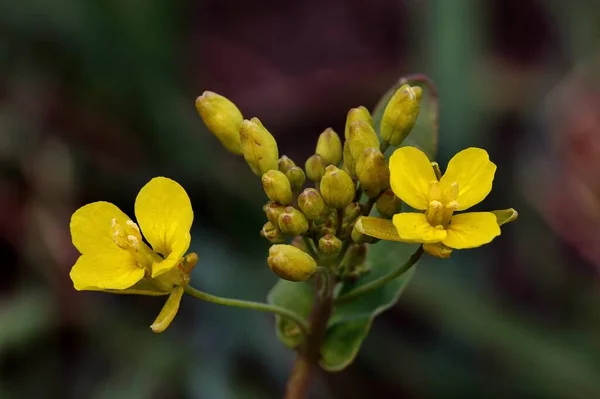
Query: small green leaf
(506,216)
(298,297)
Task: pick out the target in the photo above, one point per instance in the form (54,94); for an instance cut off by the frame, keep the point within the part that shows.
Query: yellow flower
(467,181)
(114,256)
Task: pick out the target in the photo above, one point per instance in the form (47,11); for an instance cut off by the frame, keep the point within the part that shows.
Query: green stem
(381,281)
(383,147)
(259,306)
(312,248)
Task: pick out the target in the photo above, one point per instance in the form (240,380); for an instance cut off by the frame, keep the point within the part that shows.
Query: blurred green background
(97,97)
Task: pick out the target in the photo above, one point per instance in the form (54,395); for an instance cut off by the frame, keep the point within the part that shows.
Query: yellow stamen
(435,192)
(435,213)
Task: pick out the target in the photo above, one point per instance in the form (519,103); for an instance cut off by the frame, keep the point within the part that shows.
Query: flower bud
(438,250)
(349,165)
(361,238)
(291,263)
(400,114)
(326,223)
(273,210)
(315,168)
(259,146)
(357,114)
(299,243)
(272,233)
(352,211)
(222,118)
(277,187)
(293,222)
(337,188)
(362,136)
(329,147)
(388,204)
(311,203)
(296,177)
(372,172)
(330,244)
(284,164)
(354,265)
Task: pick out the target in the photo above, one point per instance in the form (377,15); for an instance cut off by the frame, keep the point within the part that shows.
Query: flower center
(441,204)
(129,238)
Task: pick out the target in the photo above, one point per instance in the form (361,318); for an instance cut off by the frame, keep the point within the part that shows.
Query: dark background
(97,97)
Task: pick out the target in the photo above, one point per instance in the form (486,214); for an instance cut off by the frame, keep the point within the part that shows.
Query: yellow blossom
(467,181)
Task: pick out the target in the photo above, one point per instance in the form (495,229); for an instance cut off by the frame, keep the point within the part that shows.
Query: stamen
(133,242)
(448,211)
(452,194)
(435,213)
(132,225)
(435,192)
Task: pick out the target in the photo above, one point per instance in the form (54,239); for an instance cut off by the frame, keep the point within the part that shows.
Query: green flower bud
(311,203)
(326,223)
(349,165)
(362,136)
(315,168)
(259,146)
(361,238)
(277,187)
(388,204)
(372,172)
(352,211)
(291,263)
(337,188)
(357,114)
(400,114)
(272,233)
(296,177)
(329,147)
(293,222)
(222,118)
(330,244)
(273,210)
(284,164)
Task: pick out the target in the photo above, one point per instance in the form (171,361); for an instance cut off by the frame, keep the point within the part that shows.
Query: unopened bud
(285,163)
(372,172)
(259,147)
(400,114)
(357,114)
(296,177)
(349,165)
(277,187)
(352,211)
(337,188)
(326,223)
(315,168)
(299,243)
(361,238)
(273,210)
(329,147)
(293,222)
(291,263)
(222,118)
(330,244)
(388,204)
(362,136)
(438,250)
(272,233)
(311,203)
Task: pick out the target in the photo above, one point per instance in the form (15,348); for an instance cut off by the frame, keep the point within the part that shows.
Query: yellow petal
(438,250)
(474,173)
(111,269)
(470,230)
(164,214)
(414,228)
(410,176)
(168,312)
(91,228)
(376,227)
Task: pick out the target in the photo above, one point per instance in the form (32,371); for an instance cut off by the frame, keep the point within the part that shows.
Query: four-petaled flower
(467,181)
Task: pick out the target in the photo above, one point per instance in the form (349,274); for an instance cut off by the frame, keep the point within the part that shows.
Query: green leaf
(424,135)
(298,297)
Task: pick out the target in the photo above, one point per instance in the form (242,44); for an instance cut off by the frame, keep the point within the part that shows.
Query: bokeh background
(97,97)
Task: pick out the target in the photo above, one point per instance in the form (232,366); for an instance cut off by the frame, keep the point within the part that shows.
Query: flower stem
(259,306)
(373,285)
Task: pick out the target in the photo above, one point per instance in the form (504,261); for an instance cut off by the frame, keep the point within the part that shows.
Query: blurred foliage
(97,97)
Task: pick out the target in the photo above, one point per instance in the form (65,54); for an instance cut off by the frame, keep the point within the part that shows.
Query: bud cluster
(319,220)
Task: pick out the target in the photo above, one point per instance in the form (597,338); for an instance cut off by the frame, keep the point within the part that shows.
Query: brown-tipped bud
(272,233)
(326,223)
(400,114)
(222,118)
(277,187)
(293,222)
(273,210)
(259,147)
(388,204)
(349,165)
(361,238)
(362,136)
(329,147)
(311,203)
(352,211)
(372,172)
(296,177)
(284,164)
(330,244)
(291,263)
(337,188)
(315,168)
(357,114)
